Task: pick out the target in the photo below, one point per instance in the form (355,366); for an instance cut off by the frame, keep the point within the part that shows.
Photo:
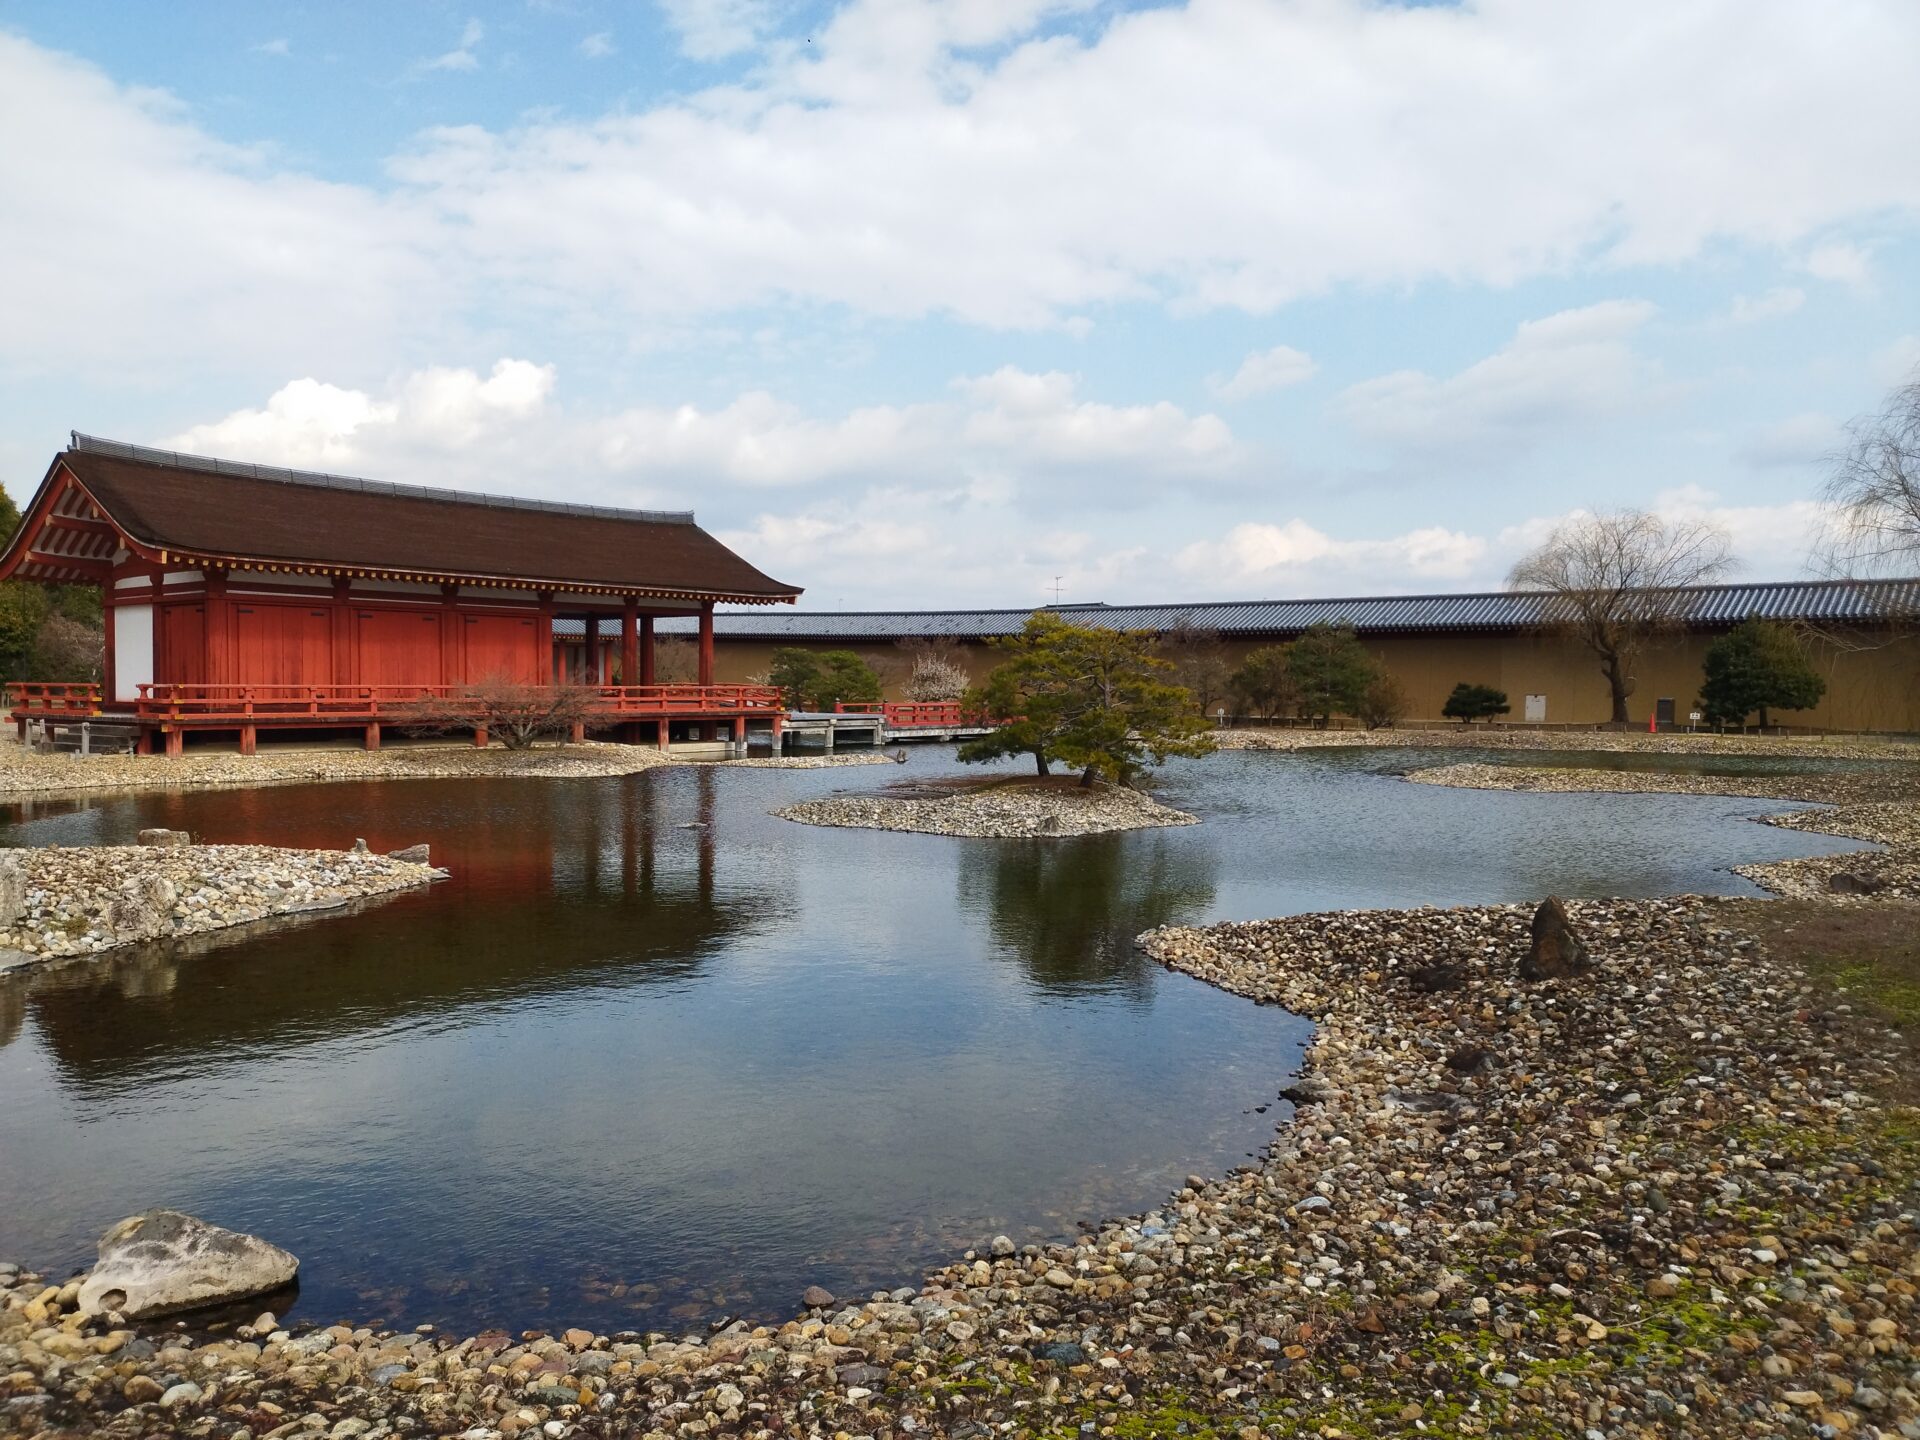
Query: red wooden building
(241,598)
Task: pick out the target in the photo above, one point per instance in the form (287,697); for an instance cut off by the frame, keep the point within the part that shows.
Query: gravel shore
(1831,747)
(83,900)
(1002,812)
(1659,1200)
(25,772)
(810,762)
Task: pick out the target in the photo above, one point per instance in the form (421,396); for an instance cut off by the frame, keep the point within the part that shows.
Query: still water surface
(629,1074)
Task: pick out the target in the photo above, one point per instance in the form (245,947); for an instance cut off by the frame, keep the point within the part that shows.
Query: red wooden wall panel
(397,647)
(181,651)
(278,644)
(503,647)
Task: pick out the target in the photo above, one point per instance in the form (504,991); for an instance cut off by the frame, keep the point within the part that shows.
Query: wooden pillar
(248,738)
(176,743)
(663,732)
(219,654)
(373,735)
(646,650)
(452,672)
(543,639)
(706,643)
(480,737)
(342,666)
(577,732)
(739,729)
(108,690)
(630,643)
(143,743)
(590,656)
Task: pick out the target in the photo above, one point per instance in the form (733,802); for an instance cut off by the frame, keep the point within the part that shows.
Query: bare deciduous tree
(1616,579)
(676,661)
(515,713)
(1199,661)
(1874,490)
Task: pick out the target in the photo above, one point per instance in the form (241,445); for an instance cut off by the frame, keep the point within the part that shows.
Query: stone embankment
(83,900)
(1667,742)
(811,762)
(1004,811)
(24,771)
(1659,1198)
(1878,806)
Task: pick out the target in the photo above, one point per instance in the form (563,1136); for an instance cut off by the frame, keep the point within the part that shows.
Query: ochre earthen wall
(1872,683)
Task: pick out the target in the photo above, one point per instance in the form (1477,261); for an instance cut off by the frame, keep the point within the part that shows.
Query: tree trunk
(1619,686)
(1086,778)
(1040,762)
(1763,719)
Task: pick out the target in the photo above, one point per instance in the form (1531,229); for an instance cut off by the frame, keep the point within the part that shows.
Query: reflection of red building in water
(242,598)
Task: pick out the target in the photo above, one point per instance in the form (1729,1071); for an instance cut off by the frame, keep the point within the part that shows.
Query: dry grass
(1868,952)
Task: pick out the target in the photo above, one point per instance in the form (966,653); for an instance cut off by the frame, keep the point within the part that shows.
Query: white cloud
(1266,370)
(983,161)
(461,57)
(1768,540)
(1842,262)
(1295,558)
(1564,368)
(995,437)
(278,46)
(177,251)
(1770,305)
(309,424)
(716,29)
(598,46)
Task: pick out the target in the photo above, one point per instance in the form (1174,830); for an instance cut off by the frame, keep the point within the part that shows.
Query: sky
(984,302)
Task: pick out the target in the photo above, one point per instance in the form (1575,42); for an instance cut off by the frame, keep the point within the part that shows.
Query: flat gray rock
(164,1262)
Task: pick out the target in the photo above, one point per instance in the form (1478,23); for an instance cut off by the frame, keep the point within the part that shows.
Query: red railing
(43,700)
(241,704)
(919,714)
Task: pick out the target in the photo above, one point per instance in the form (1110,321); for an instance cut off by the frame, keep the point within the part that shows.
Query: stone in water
(164,1262)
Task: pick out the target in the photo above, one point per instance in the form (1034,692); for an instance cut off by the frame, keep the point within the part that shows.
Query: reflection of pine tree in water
(1068,909)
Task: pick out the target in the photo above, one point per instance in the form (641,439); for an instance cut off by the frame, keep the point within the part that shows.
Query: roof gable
(195,509)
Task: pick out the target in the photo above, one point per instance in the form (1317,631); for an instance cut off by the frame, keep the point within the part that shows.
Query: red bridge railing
(241,704)
(920,714)
(53,700)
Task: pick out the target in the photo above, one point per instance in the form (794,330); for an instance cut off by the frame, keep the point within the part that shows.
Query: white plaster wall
(132,650)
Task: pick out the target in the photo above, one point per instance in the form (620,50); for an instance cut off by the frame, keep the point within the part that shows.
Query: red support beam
(543,639)
(706,643)
(630,643)
(219,631)
(97,571)
(646,650)
(590,660)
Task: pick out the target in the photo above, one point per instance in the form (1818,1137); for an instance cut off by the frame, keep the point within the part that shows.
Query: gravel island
(25,772)
(1006,810)
(82,900)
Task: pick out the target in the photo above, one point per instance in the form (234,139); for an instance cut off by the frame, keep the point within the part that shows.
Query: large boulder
(13,886)
(143,909)
(1556,952)
(163,1262)
(166,839)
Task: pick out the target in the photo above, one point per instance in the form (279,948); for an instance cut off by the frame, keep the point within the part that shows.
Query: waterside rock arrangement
(86,899)
(164,1263)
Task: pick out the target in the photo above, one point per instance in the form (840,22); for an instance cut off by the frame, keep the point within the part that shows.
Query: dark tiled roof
(194,506)
(1707,607)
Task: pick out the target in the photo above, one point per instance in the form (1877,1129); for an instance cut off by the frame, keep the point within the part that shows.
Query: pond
(652,1057)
